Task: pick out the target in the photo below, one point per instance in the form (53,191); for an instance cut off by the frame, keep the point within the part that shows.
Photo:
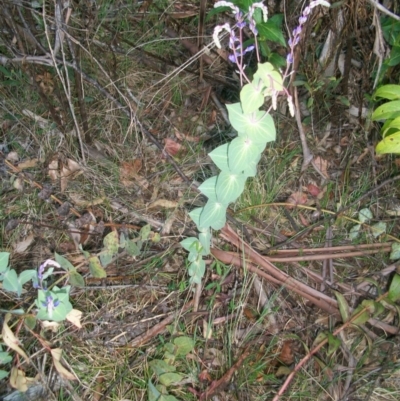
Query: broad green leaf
(220,157)
(213,215)
(277,60)
(27,275)
(105,258)
(96,270)
(184,345)
(5,357)
(271,31)
(390,92)
(394,289)
(111,242)
(4,258)
(160,367)
(258,125)
(196,271)
(374,308)
(389,144)
(195,216)
(333,343)
(167,379)
(354,231)
(30,321)
(387,110)
(3,374)
(365,215)
(190,244)
(251,96)
(241,153)
(394,57)
(145,232)
(363,318)
(122,240)
(167,397)
(395,254)
(152,393)
(76,279)
(63,262)
(229,187)
(343,306)
(390,127)
(378,229)
(270,76)
(11,283)
(205,240)
(131,248)
(207,188)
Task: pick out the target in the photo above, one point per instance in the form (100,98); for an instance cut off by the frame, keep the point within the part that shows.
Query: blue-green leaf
(251,96)
(208,188)
(205,240)
(229,186)
(4,258)
(196,271)
(213,215)
(63,262)
(11,282)
(220,157)
(242,152)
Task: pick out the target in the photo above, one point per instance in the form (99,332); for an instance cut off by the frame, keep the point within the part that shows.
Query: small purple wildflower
(50,304)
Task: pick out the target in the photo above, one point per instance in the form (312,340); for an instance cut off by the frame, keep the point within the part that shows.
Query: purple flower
(50,304)
(302,20)
(289,58)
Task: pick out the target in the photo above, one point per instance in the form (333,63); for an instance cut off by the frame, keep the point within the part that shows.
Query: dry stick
(319,346)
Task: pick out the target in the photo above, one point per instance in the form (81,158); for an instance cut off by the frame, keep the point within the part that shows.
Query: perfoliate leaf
(390,92)
(195,216)
(241,153)
(205,240)
(95,268)
(26,275)
(213,215)
(343,306)
(207,188)
(76,279)
(196,270)
(389,144)
(11,283)
(251,96)
(394,289)
(229,186)
(387,110)
(190,244)
(365,215)
(257,126)
(220,157)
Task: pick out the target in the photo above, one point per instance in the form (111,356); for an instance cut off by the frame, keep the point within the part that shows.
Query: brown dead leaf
(50,326)
(171,147)
(75,318)
(286,355)
(313,190)
(68,172)
(129,174)
(165,203)
(10,340)
(23,245)
(204,376)
(64,373)
(303,219)
(53,169)
(28,164)
(322,165)
(186,137)
(19,381)
(297,198)
(12,157)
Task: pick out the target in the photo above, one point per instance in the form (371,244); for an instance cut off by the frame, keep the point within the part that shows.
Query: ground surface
(113,142)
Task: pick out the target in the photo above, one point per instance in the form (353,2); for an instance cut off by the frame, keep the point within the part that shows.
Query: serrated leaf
(229,186)
(378,229)
(196,271)
(207,188)
(364,215)
(241,153)
(96,270)
(389,144)
(4,259)
(395,254)
(251,96)
(63,262)
(184,345)
(394,289)
(213,215)
(387,110)
(111,242)
(343,306)
(167,379)
(390,92)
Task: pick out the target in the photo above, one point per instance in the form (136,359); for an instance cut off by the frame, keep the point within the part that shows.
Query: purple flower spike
(289,58)
(302,20)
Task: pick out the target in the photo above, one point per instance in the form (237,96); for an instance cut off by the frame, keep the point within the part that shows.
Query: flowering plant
(238,159)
